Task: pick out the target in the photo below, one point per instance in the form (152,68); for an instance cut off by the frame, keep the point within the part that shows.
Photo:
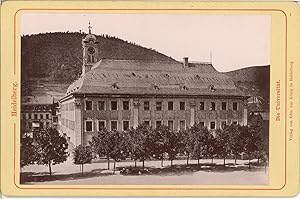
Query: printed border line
(149,188)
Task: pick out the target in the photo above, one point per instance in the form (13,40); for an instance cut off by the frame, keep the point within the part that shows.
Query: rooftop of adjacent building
(38,100)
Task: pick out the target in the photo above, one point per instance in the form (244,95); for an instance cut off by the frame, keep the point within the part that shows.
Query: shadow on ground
(26,177)
(187,169)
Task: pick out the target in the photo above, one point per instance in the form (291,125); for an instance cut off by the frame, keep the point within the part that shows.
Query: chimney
(185,62)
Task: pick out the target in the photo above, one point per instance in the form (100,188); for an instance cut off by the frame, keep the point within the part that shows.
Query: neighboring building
(38,112)
(119,94)
(258,105)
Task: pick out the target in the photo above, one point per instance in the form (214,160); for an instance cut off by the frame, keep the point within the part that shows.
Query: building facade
(120,94)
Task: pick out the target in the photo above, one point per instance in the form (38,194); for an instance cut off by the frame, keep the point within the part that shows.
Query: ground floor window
(212,125)
(182,125)
(170,125)
(158,123)
(235,106)
(125,125)
(223,124)
(201,123)
(147,122)
(88,126)
(101,125)
(235,122)
(113,125)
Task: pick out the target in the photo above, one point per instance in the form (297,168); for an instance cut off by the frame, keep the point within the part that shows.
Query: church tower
(90,51)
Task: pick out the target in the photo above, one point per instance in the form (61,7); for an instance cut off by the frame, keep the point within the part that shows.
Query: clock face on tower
(91,50)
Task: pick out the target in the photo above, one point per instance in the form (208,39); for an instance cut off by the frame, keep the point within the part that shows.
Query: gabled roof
(147,77)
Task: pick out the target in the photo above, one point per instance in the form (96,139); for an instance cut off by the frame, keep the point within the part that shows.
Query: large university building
(120,94)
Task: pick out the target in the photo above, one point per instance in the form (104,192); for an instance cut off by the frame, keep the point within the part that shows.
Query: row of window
(89,124)
(159,105)
(37,107)
(36,116)
(37,125)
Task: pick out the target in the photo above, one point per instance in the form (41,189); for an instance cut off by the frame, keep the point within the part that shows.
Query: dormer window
(155,86)
(115,86)
(183,87)
(212,88)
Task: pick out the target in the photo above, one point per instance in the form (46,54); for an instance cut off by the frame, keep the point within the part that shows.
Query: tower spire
(90,28)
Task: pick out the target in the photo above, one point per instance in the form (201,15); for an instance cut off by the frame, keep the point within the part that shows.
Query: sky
(229,41)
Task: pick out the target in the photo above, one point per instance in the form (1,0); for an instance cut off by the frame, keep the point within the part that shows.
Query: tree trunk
(187,159)
(50,172)
(265,166)
(135,163)
(224,162)
(235,159)
(258,161)
(114,166)
(143,163)
(82,170)
(171,162)
(249,164)
(198,161)
(212,160)
(107,162)
(162,161)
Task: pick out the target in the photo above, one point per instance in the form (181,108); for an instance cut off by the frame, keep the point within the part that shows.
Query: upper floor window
(182,105)
(170,106)
(235,106)
(146,105)
(212,106)
(201,106)
(224,106)
(101,105)
(47,116)
(35,116)
(88,105)
(29,115)
(158,106)
(114,105)
(125,105)
(41,116)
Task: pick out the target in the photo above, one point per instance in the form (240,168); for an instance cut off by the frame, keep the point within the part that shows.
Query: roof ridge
(149,60)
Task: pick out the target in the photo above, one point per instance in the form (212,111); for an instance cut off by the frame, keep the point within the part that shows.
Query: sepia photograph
(144,99)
